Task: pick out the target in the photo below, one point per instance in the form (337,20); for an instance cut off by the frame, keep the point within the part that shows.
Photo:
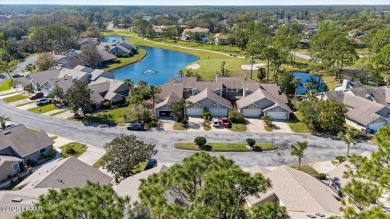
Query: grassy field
(224,147)
(298,126)
(57,113)
(43,109)
(307,169)
(15,98)
(77,147)
(209,60)
(330,81)
(238,127)
(125,61)
(6,85)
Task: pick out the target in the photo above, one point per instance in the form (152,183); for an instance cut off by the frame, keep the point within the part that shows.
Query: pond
(317,83)
(158,66)
(113,38)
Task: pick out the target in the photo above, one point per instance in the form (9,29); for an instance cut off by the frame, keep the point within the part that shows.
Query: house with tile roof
(299,192)
(20,142)
(64,173)
(223,95)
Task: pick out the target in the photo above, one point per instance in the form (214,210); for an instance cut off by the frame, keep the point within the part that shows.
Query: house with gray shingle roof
(108,89)
(64,173)
(222,96)
(9,166)
(20,142)
(121,48)
(299,192)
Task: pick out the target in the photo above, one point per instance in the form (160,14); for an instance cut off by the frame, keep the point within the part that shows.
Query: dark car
(35,96)
(135,126)
(151,163)
(2,76)
(18,75)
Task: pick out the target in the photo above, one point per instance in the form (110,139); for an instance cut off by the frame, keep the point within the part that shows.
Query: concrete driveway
(281,127)
(319,149)
(195,124)
(167,124)
(255,125)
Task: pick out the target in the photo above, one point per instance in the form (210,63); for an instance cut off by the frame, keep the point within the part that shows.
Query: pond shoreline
(129,63)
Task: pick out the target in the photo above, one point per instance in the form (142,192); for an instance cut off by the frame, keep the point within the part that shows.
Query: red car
(225,122)
(36,96)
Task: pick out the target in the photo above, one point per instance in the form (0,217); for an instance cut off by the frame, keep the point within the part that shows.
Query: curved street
(319,148)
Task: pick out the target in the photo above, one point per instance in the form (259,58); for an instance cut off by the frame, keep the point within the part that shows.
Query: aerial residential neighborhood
(197,109)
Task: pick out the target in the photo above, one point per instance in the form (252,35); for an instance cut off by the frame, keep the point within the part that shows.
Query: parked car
(151,163)
(2,76)
(42,101)
(17,75)
(225,122)
(36,95)
(135,126)
(215,122)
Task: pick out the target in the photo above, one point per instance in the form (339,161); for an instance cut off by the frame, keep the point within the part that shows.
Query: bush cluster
(236,117)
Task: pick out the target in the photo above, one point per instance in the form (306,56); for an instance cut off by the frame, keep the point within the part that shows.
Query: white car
(42,101)
(215,122)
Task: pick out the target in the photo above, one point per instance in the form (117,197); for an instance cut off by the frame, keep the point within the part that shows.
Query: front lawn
(77,149)
(268,128)
(298,126)
(57,113)
(307,169)
(26,103)
(15,98)
(207,125)
(121,62)
(43,109)
(6,85)
(238,127)
(179,126)
(224,147)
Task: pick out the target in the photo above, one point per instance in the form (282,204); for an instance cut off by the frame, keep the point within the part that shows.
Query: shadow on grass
(206,148)
(257,149)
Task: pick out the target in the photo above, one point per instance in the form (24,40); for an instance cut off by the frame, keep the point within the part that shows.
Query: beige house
(220,39)
(189,34)
(20,142)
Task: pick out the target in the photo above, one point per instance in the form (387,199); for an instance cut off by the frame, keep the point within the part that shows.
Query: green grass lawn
(57,113)
(99,162)
(14,98)
(32,130)
(224,147)
(54,137)
(22,104)
(207,125)
(268,128)
(238,127)
(43,109)
(77,147)
(109,116)
(298,126)
(125,61)
(330,82)
(6,85)
(178,126)
(307,169)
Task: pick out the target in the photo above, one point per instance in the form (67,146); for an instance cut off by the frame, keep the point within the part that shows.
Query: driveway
(255,125)
(319,149)
(281,127)
(195,124)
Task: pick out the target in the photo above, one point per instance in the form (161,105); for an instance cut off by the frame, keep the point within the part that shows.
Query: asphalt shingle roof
(207,93)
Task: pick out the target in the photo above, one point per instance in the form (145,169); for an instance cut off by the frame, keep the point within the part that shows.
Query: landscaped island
(225,147)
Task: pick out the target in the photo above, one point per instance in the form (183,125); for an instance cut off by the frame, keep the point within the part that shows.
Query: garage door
(251,112)
(218,112)
(164,113)
(277,115)
(194,111)
(376,126)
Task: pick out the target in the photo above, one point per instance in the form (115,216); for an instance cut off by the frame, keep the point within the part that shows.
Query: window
(15,167)
(253,106)
(42,150)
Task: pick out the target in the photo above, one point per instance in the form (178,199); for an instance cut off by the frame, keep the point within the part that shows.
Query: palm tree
(348,138)
(30,67)
(153,91)
(308,86)
(3,119)
(295,83)
(178,108)
(298,149)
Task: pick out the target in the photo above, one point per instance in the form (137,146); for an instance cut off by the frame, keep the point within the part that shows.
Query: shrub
(340,158)
(250,141)
(152,124)
(237,117)
(51,154)
(321,176)
(206,115)
(70,150)
(200,141)
(267,120)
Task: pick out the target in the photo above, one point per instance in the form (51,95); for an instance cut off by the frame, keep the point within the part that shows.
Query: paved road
(319,148)
(22,65)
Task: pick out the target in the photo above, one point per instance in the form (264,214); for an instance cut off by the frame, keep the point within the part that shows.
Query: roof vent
(16,199)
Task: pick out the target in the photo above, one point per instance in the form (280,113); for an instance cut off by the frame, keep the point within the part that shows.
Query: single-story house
(108,89)
(87,41)
(64,173)
(299,192)
(9,166)
(107,58)
(117,48)
(220,39)
(20,142)
(189,34)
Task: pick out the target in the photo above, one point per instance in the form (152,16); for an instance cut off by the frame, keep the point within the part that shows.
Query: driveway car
(135,126)
(42,101)
(225,122)
(151,163)
(215,122)
(18,75)
(35,96)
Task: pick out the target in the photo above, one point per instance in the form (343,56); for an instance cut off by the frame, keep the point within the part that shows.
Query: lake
(317,82)
(113,38)
(158,66)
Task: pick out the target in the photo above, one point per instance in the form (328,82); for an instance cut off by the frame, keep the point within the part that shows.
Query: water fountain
(150,72)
